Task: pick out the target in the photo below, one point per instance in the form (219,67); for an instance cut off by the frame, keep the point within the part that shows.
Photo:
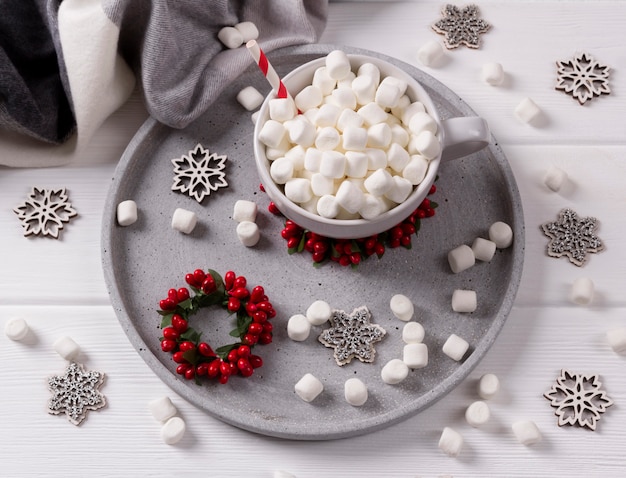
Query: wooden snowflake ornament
(44,212)
(197,173)
(582,77)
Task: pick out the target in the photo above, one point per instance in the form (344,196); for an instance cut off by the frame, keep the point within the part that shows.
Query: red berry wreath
(196,358)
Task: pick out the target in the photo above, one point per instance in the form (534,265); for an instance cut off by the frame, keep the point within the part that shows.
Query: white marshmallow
(279,151)
(311,205)
(372,114)
(184,221)
(488,386)
(399,134)
(327,138)
(493,74)
(344,98)
(430,53)
(248,31)
(248,233)
(308,387)
(327,115)
(328,207)
(617,340)
(354,139)
(321,185)
(298,328)
(338,64)
(364,87)
(371,70)
(397,82)
(387,94)
(376,159)
(397,110)
(162,409)
(346,82)
(298,190)
(301,131)
(333,164)
(401,307)
(310,97)
(394,372)
(323,81)
(464,301)
(318,313)
(282,109)
(126,213)
(427,144)
(379,183)
(373,206)
(296,156)
(16,328)
(283,474)
(413,333)
(245,211)
(400,190)
(461,258)
(422,121)
(356,164)
(477,414)
(230,37)
(555,178)
(483,249)
(272,133)
(312,160)
(526,432)
(173,430)
(415,170)
(379,136)
(397,157)
(349,118)
(66,348)
(281,170)
(411,110)
(254,116)
(350,197)
(250,98)
(501,233)
(345,215)
(311,114)
(451,442)
(455,347)
(355,392)
(527,111)
(582,291)
(415,355)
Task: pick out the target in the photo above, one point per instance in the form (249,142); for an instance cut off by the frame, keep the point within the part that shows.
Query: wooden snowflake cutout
(44,212)
(572,237)
(578,399)
(75,393)
(461,26)
(197,173)
(582,77)
(352,335)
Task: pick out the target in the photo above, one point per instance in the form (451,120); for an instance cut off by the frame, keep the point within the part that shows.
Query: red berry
(205,350)
(395,242)
(208,285)
(396,233)
(202,369)
(421,214)
(233,304)
(214,368)
(293,242)
(405,241)
(344,260)
(178,357)
(179,323)
(264,305)
(355,258)
(182,294)
(191,280)
(370,243)
(273,209)
(190,373)
(309,245)
(182,368)
(167,345)
(167,304)
(239,292)
(250,339)
(255,328)
(186,346)
(223,379)
(257,294)
(320,246)
(244,367)
(268,327)
(229,280)
(319,256)
(172,295)
(255,361)
(171,333)
(430,212)
(265,338)
(259,316)
(199,275)
(243,351)
(379,249)
(425,203)
(240,282)
(232,356)
(225,368)
(261,187)
(271,314)
(433,189)
(408,229)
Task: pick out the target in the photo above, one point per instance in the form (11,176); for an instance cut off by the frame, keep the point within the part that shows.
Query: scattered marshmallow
(250,98)
(483,249)
(502,234)
(355,392)
(477,414)
(464,301)
(617,340)
(555,178)
(318,313)
(488,386)
(283,474)
(162,409)
(526,432)
(394,371)
(308,387)
(455,347)
(66,348)
(415,355)
(527,111)
(402,307)
(451,442)
(582,291)
(430,53)
(230,37)
(245,211)
(173,430)
(282,109)
(248,233)
(184,220)
(461,258)
(338,64)
(298,328)
(413,333)
(493,73)
(248,31)
(127,213)
(16,328)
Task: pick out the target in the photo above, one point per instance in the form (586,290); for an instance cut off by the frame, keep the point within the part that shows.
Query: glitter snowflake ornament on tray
(572,236)
(352,335)
(578,399)
(461,26)
(197,173)
(44,212)
(582,77)
(75,393)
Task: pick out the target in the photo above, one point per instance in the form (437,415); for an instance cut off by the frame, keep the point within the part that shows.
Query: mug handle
(464,135)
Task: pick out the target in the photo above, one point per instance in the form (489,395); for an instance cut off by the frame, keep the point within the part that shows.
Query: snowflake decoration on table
(461,26)
(75,393)
(572,237)
(44,212)
(352,335)
(578,399)
(197,173)
(582,77)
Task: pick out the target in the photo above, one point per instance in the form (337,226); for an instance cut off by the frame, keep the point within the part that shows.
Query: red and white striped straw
(267,69)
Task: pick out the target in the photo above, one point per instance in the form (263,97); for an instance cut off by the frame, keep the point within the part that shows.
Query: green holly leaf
(222,352)
(192,335)
(191,356)
(166,321)
(434,205)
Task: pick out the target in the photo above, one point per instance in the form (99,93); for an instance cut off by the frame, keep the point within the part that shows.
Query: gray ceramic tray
(143,261)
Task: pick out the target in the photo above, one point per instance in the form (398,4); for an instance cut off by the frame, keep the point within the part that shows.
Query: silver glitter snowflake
(572,237)
(75,393)
(578,399)
(582,77)
(352,335)
(461,26)
(44,212)
(197,173)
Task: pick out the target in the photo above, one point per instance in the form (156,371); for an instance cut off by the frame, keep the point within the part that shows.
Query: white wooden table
(58,286)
